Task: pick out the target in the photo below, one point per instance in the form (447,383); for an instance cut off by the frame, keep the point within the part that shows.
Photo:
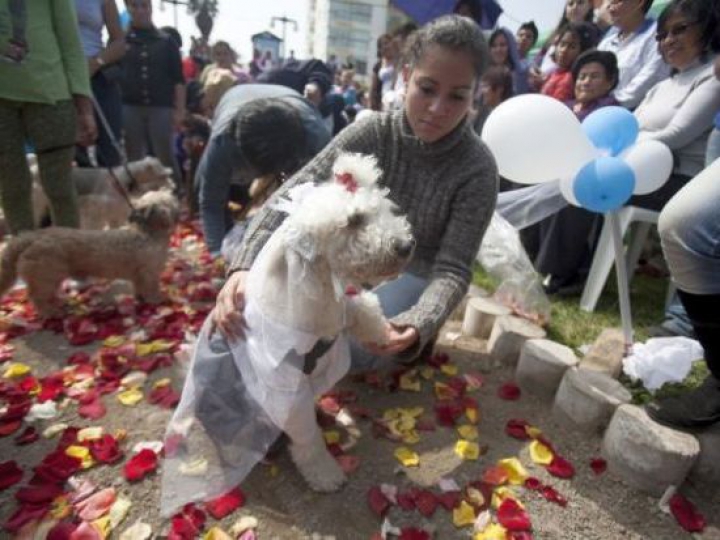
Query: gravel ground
(599,507)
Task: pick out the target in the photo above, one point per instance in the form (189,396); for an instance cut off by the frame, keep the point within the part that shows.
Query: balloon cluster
(600,163)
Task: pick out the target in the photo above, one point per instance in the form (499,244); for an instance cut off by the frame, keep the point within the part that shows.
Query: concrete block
(607,353)
(480,317)
(588,399)
(542,365)
(645,454)
(508,336)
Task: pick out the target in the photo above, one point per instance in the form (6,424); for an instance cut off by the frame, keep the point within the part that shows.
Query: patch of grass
(574,327)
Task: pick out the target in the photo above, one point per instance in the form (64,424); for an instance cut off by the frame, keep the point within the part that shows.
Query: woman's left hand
(398,339)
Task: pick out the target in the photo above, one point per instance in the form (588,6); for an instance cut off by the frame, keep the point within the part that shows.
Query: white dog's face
(352,225)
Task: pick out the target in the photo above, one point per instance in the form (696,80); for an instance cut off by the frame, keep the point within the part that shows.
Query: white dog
(336,235)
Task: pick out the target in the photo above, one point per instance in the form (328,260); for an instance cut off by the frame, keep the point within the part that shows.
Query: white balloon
(537,139)
(568,191)
(652,163)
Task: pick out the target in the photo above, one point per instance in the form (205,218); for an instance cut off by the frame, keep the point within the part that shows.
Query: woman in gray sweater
(438,172)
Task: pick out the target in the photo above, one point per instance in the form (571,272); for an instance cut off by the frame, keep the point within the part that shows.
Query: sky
(240,19)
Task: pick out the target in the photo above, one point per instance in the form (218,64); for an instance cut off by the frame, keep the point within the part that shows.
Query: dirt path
(599,506)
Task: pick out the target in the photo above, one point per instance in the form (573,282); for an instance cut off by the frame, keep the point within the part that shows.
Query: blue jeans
(396,296)
(689,228)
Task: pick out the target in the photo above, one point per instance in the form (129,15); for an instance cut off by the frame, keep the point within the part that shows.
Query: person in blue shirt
(257,130)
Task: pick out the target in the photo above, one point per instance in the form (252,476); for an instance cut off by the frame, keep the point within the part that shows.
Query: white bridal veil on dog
(238,400)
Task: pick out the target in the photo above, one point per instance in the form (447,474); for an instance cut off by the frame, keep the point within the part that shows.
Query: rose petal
(226,504)
(541,454)
(377,501)
(517,429)
(686,514)
(598,465)
(426,502)
(140,465)
(509,391)
(512,516)
(10,474)
(561,468)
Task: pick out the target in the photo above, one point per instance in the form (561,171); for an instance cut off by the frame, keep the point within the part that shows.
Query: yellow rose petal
(467,450)
(162,382)
(443,391)
(427,373)
(449,369)
(82,453)
(410,437)
(130,397)
(494,531)
(463,515)
(114,341)
(216,533)
(533,432)
(409,382)
(60,508)
(500,494)
(407,457)
(331,437)
(119,511)
(516,472)
(475,496)
(103,526)
(90,433)
(469,433)
(472,414)
(154,347)
(540,454)
(16,369)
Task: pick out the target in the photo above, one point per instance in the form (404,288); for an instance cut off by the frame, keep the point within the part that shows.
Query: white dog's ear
(301,242)
(356,170)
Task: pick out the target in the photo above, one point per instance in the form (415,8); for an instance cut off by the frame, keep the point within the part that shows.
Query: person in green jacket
(45,103)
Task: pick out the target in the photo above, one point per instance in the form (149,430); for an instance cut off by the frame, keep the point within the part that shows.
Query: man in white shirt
(632,39)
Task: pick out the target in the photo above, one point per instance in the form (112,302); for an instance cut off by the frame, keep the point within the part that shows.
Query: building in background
(348,29)
(265,42)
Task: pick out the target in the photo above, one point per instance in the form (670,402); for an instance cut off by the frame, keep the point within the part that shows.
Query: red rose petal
(551,494)
(10,474)
(411,533)
(38,495)
(406,501)
(561,468)
(519,535)
(598,465)
(187,524)
(516,428)
(140,465)
(62,531)
(426,502)
(495,476)
(686,514)
(8,427)
(377,501)
(533,483)
(512,516)
(92,409)
(165,397)
(509,391)
(226,504)
(24,515)
(105,449)
(450,500)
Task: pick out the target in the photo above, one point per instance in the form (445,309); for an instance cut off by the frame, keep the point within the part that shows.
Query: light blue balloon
(125,20)
(603,185)
(611,129)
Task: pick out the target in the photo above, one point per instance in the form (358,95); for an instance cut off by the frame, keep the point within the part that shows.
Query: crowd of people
(223,127)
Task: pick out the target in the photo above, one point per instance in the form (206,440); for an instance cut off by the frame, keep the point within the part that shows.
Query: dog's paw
(318,468)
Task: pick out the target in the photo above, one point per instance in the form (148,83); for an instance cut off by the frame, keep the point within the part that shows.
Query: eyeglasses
(676,31)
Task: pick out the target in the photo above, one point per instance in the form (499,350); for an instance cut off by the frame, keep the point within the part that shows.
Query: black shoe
(695,409)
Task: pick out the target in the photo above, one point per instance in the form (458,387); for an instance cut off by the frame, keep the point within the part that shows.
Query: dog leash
(120,188)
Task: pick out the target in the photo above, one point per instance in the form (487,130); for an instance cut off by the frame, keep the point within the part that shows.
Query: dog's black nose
(403,248)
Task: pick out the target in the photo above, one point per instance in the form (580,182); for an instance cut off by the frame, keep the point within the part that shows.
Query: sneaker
(695,409)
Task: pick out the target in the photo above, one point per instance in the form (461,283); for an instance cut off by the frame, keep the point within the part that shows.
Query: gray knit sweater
(447,189)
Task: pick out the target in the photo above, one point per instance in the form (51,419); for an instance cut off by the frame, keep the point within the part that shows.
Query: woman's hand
(398,339)
(86,127)
(227,316)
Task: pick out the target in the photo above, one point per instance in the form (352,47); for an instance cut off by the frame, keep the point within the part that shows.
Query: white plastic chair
(605,253)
